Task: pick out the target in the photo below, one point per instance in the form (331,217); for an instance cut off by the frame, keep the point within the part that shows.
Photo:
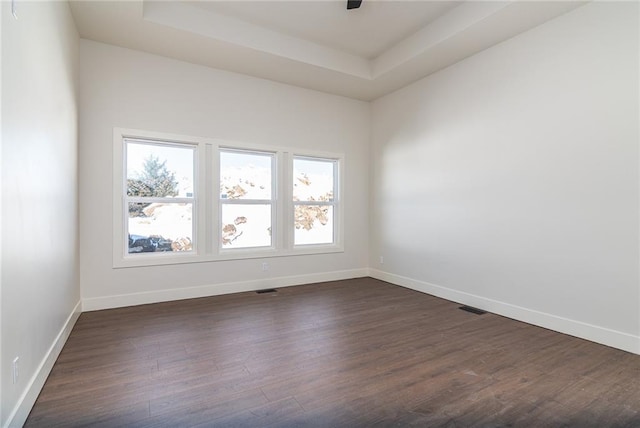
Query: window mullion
(154,200)
(318,203)
(246,201)
(276,195)
(203,209)
(215,205)
(286,208)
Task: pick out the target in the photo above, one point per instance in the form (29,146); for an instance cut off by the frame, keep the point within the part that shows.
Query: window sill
(161,259)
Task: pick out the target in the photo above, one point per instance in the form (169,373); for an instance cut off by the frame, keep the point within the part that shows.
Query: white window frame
(207,208)
(335,203)
(193,200)
(273,202)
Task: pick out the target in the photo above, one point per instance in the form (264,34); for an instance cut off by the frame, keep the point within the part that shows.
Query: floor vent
(473,310)
(268,290)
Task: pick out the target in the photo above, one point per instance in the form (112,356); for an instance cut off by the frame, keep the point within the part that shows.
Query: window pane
(245,226)
(313,224)
(313,180)
(160,227)
(245,175)
(159,171)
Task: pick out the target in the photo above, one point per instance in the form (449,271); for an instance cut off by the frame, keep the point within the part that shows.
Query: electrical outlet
(381,260)
(15,370)
(265,267)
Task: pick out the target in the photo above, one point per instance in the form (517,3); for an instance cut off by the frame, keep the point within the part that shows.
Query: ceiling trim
(185,17)
(448,25)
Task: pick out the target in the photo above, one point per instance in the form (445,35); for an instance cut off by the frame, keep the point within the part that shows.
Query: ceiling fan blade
(353,4)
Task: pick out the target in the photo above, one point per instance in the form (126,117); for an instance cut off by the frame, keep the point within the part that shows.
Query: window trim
(207,207)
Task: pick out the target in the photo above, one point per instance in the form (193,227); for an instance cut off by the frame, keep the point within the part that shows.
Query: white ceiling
(366,32)
(362,53)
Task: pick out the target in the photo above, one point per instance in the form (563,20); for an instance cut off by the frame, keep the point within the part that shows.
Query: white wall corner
(615,339)
(20,412)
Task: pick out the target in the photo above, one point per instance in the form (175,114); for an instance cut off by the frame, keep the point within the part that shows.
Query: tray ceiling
(362,53)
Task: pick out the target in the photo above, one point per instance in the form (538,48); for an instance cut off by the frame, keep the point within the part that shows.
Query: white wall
(510,180)
(40,289)
(131,89)
(1,361)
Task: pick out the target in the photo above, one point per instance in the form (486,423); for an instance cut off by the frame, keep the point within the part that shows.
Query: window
(183,199)
(246,199)
(314,200)
(159,197)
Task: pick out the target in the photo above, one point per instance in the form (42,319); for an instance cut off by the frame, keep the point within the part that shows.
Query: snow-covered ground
(170,221)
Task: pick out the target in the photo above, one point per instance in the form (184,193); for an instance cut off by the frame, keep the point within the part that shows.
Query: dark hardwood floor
(356,353)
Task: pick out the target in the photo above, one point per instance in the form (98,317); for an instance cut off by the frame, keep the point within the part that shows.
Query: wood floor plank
(355,353)
(194,410)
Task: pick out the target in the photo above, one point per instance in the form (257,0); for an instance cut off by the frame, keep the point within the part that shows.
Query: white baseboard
(25,403)
(133,299)
(594,333)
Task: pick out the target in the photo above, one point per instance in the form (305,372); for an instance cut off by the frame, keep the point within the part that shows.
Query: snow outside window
(247,199)
(314,200)
(159,201)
